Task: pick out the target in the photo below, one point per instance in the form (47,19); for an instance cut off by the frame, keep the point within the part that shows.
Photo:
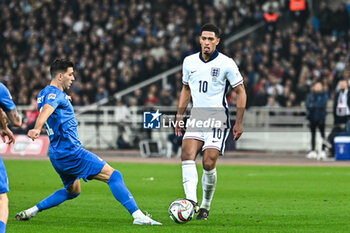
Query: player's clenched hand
(33,133)
(7,132)
(237,131)
(178,129)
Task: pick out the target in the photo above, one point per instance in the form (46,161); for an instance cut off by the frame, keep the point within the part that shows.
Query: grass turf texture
(247,199)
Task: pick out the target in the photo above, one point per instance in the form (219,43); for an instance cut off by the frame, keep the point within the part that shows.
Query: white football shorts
(215,138)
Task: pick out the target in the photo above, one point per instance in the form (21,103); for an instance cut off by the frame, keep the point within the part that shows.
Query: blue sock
(2,227)
(55,199)
(121,192)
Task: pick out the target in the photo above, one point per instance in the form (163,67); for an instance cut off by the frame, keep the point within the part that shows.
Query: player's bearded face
(68,78)
(208,42)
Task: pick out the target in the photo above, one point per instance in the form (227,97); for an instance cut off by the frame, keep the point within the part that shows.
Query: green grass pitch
(247,199)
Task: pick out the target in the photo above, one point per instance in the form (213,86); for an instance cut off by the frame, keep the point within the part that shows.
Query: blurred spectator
(341,112)
(271,18)
(122,113)
(341,21)
(151,100)
(232,99)
(30,118)
(283,99)
(341,106)
(273,5)
(176,143)
(166,99)
(316,106)
(101,93)
(274,86)
(299,11)
(260,93)
(76,100)
(32,114)
(272,103)
(325,18)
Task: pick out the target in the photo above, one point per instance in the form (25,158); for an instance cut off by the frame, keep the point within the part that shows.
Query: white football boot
(146,220)
(27,214)
(322,155)
(311,155)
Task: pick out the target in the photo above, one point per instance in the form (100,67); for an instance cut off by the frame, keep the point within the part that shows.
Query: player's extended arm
(15,117)
(5,131)
(241,103)
(42,118)
(185,97)
(3,119)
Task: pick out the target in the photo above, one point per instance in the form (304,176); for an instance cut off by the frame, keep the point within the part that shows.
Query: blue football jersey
(6,102)
(61,126)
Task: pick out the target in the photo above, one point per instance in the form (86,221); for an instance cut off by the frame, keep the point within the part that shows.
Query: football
(181,211)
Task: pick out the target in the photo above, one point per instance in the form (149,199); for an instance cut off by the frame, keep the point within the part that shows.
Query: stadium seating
(114,44)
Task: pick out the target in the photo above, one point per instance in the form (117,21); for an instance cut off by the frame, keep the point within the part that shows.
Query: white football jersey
(208,80)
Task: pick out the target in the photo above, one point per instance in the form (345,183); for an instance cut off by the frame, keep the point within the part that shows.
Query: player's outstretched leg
(53,200)
(190,181)
(2,227)
(124,196)
(4,211)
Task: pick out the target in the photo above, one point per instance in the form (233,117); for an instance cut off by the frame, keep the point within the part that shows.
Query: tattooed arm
(15,117)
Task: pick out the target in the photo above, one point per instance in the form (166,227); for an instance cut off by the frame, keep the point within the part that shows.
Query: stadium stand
(281,65)
(114,43)
(119,43)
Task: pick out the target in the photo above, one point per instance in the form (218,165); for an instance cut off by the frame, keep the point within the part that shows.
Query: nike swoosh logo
(193,71)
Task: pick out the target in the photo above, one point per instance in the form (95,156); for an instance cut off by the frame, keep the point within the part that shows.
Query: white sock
(138,214)
(209,179)
(33,211)
(190,179)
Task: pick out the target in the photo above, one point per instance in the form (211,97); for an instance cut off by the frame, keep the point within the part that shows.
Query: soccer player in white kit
(206,78)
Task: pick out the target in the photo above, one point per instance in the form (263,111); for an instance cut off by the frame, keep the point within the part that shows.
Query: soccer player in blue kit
(4,184)
(68,157)
(9,106)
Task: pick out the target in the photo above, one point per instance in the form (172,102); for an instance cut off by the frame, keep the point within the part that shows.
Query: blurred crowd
(281,65)
(114,43)
(281,70)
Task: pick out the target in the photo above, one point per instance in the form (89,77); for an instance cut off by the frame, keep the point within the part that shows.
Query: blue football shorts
(82,164)
(4,182)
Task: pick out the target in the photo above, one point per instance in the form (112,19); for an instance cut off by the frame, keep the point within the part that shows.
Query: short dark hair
(60,66)
(211,28)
